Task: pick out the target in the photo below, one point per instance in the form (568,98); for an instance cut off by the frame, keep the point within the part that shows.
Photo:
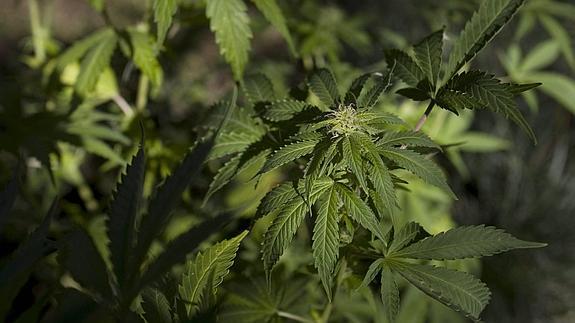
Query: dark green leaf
(428,54)
(322,84)
(405,68)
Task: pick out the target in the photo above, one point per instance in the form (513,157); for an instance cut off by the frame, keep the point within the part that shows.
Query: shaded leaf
(428,54)
(322,84)
(360,211)
(405,67)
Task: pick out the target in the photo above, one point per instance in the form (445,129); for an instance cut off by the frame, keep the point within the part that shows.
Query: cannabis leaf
(389,294)
(405,67)
(145,58)
(273,13)
(94,63)
(481,28)
(464,242)
(289,153)
(215,261)
(322,83)
(164,11)
(258,88)
(230,23)
(428,54)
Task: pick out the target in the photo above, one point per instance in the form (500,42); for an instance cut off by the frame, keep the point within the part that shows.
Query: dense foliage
(283,200)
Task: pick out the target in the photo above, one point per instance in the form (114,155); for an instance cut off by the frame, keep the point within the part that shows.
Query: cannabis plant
(350,158)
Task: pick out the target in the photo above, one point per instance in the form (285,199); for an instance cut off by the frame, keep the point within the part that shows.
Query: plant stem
(425,115)
(143,89)
(293,317)
(123,105)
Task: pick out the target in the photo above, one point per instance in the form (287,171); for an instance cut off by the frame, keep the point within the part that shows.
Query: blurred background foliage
(74,130)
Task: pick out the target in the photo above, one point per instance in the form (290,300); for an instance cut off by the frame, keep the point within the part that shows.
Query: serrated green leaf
(408,138)
(156,306)
(352,156)
(121,224)
(232,142)
(164,11)
(94,63)
(322,83)
(100,148)
(282,229)
(276,198)
(428,55)
(145,58)
(273,13)
(418,165)
(405,67)
(284,109)
(377,122)
(215,261)
(481,28)
(414,93)
(231,24)
(457,290)
(389,294)
(223,176)
(517,89)
(258,88)
(288,153)
(453,100)
(326,238)
(465,242)
(359,211)
(493,94)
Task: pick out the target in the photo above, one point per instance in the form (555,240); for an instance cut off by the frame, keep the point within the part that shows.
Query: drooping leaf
(481,28)
(164,11)
(493,94)
(81,257)
(428,54)
(215,261)
(282,229)
(94,63)
(389,294)
(121,224)
(409,138)
(230,23)
(273,13)
(326,238)
(156,306)
(284,109)
(458,290)
(144,56)
(360,211)
(405,67)
(288,153)
(322,84)
(418,165)
(258,88)
(465,242)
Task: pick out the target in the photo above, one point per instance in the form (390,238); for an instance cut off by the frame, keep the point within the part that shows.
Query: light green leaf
(323,85)
(481,28)
(562,36)
(164,11)
(288,153)
(326,238)
(382,83)
(457,290)
(284,109)
(215,262)
(359,211)
(559,87)
(465,242)
(428,54)
(230,23)
(80,47)
(258,88)
(232,142)
(94,63)
(352,156)
(389,294)
(418,165)
(276,198)
(541,56)
(145,58)
(280,233)
(405,67)
(100,148)
(273,13)
(224,176)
